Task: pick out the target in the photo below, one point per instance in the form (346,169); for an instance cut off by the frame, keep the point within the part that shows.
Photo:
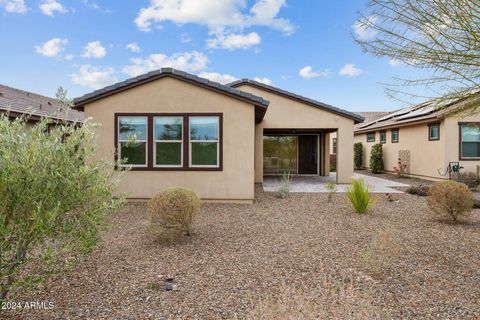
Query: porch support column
(345,154)
(326,154)
(258,153)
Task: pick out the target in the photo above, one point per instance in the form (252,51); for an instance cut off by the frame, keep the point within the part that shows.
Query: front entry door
(307,154)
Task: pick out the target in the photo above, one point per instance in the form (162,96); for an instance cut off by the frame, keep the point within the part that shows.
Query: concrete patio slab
(318,184)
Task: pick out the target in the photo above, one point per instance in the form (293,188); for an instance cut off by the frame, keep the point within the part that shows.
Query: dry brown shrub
(451,199)
(173,209)
(381,250)
(335,299)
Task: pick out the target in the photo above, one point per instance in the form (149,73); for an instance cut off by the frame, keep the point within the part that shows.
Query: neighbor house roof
(370,116)
(18,102)
(259,103)
(425,112)
(314,103)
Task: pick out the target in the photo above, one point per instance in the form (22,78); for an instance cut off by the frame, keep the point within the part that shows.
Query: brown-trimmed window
(204,141)
(383,136)
(334,145)
(395,135)
(169,141)
(132,141)
(470,141)
(371,137)
(434,132)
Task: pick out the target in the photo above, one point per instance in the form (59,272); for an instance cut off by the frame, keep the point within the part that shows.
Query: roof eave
(355,117)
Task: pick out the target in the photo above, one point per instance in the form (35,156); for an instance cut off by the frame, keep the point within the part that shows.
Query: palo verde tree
(441,37)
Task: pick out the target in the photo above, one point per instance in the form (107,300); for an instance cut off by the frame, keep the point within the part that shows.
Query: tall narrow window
(395,135)
(371,137)
(469,141)
(334,145)
(168,139)
(383,136)
(204,141)
(132,141)
(434,132)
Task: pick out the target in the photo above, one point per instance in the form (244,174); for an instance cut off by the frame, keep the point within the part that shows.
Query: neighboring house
(17,102)
(428,138)
(368,117)
(176,129)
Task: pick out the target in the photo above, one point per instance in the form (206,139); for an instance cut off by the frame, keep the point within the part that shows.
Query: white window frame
(155,141)
(119,146)
(205,141)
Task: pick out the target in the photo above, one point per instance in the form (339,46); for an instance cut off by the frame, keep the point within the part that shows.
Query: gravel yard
(397,261)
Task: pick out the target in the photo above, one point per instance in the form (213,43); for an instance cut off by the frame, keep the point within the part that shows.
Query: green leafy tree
(376,159)
(358,155)
(53,201)
(439,37)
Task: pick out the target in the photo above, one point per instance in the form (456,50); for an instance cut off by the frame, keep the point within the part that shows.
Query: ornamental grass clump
(451,199)
(173,209)
(359,194)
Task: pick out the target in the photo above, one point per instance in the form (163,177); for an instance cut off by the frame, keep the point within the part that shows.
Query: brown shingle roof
(19,102)
(370,116)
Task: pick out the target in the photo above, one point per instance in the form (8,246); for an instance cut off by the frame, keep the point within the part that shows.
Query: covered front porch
(296,152)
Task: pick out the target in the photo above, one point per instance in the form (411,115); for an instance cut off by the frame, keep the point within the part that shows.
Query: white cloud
(349,70)
(49,7)
(89,76)
(185,38)
(14,6)
(225,19)
(395,62)
(264,80)
(217,15)
(52,48)
(234,41)
(134,47)
(363,27)
(218,77)
(186,61)
(94,50)
(308,73)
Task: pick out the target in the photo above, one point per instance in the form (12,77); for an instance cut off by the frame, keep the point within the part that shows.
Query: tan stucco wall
(426,157)
(285,113)
(169,95)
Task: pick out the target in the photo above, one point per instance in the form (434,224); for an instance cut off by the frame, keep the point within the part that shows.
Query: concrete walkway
(317,184)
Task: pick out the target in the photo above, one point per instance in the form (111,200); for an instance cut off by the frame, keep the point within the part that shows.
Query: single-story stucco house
(428,138)
(16,103)
(176,129)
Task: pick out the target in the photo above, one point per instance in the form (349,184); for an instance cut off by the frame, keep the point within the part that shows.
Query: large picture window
(168,140)
(132,141)
(470,141)
(204,146)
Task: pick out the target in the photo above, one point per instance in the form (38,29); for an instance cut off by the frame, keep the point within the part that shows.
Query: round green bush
(174,208)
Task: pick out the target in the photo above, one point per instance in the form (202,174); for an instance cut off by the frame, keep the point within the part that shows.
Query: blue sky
(302,46)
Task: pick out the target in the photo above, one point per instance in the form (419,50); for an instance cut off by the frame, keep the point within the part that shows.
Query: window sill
(169,169)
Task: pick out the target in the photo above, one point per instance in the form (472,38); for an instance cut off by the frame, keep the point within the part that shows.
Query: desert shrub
(332,190)
(53,203)
(339,297)
(450,198)
(360,195)
(173,209)
(420,190)
(376,159)
(471,179)
(284,189)
(358,155)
